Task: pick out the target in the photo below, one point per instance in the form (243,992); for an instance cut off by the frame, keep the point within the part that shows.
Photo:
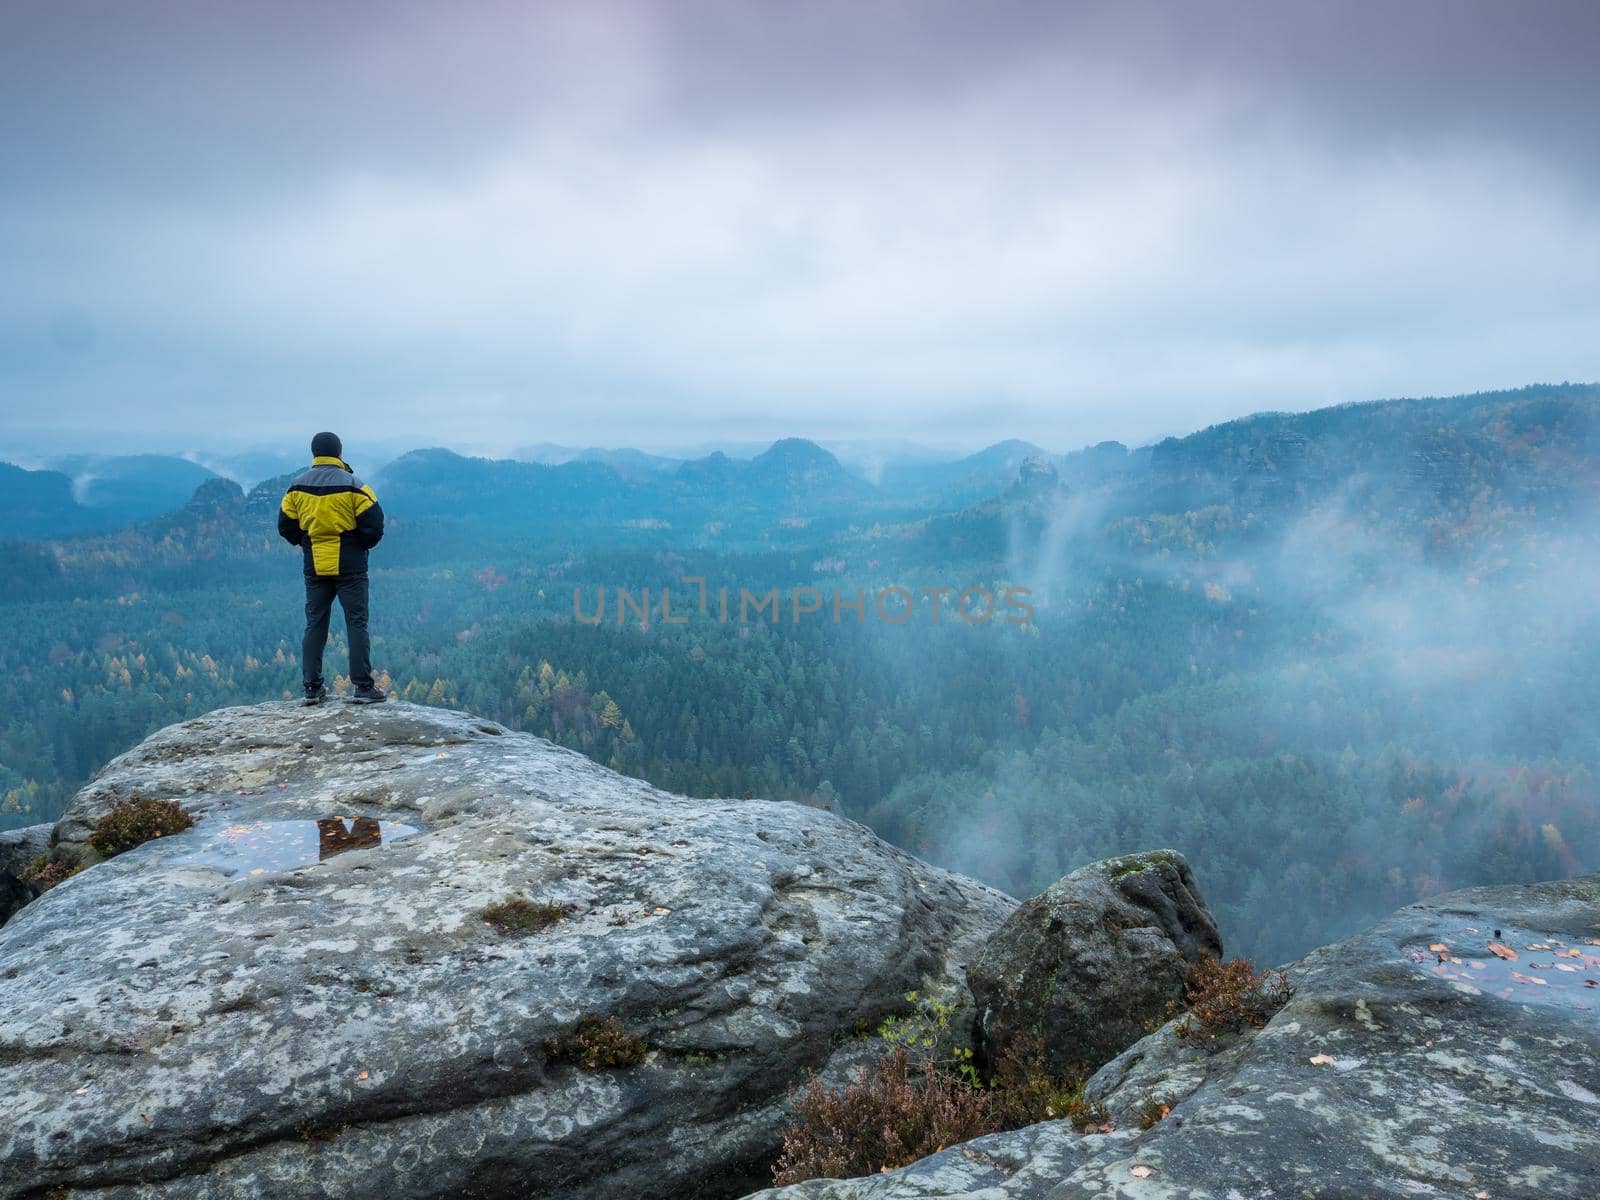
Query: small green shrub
(598,1044)
(44,872)
(519,916)
(1223,998)
(922,1027)
(135,821)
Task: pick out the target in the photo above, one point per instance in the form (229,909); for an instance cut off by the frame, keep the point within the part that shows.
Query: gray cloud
(487,224)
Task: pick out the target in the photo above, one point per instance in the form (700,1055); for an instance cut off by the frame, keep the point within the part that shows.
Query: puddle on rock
(1518,965)
(263,847)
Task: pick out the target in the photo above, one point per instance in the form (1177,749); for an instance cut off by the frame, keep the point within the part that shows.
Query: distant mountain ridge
(1532,447)
(793,476)
(132,486)
(626,461)
(964,479)
(38,504)
(799,473)
(84,493)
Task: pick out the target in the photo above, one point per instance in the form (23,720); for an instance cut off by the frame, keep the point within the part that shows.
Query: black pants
(352,593)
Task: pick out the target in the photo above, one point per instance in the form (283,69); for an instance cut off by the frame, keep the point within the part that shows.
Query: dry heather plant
(1223,998)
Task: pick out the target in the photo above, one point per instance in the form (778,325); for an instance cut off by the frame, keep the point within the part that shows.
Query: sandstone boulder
(18,848)
(1093,962)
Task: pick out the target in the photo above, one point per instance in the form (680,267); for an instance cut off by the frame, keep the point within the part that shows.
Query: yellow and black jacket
(333,516)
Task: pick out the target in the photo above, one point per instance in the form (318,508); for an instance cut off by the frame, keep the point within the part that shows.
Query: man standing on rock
(335,519)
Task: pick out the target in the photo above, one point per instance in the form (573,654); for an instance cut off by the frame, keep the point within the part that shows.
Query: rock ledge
(299,996)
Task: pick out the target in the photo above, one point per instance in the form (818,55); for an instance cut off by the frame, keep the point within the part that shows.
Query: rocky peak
(1036,473)
(216,498)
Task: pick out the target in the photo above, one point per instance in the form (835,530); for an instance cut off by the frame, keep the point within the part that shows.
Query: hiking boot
(314,697)
(367,694)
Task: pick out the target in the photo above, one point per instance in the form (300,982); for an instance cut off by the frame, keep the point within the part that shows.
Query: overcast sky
(617,223)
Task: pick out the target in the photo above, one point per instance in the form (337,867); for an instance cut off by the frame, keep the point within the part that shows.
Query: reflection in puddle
(1516,965)
(262,847)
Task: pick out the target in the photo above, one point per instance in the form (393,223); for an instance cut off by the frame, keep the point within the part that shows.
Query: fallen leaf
(1521,978)
(1141,1171)
(1322,1060)
(661,912)
(361,1076)
(1439,948)
(83,1091)
(148,1120)
(1501,950)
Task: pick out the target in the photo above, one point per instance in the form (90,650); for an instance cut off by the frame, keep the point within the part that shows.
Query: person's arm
(369,516)
(289,519)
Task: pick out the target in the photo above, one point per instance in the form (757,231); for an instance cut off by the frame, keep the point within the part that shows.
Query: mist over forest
(1342,660)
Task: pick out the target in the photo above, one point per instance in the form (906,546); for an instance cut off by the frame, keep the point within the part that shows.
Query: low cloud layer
(490,224)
